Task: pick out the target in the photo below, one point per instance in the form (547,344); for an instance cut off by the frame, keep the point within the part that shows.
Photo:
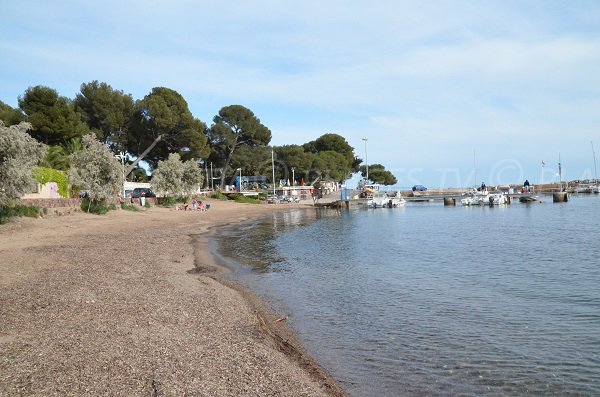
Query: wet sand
(133,304)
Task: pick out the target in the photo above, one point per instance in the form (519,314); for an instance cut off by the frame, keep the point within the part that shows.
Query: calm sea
(428,300)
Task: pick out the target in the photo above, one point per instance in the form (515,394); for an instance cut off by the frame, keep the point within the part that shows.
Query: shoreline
(116,305)
(282,336)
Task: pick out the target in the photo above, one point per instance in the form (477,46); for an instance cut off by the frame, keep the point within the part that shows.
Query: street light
(366,158)
(121,156)
(240,170)
(293,177)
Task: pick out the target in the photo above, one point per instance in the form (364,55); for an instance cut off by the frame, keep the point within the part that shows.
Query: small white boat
(383,200)
(484,198)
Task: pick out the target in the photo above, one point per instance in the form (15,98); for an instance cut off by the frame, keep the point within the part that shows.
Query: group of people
(194,205)
(525,188)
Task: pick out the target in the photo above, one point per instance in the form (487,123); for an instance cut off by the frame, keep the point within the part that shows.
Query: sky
(447,93)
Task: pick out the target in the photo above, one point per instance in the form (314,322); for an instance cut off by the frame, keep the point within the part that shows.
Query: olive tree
(19,154)
(95,170)
(192,178)
(168,176)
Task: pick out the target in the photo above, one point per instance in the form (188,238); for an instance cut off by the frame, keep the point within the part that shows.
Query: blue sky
(435,86)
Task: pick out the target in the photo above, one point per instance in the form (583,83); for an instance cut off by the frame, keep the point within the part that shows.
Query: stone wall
(52,202)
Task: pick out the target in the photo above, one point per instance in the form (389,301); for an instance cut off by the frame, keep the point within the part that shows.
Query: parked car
(142,191)
(419,188)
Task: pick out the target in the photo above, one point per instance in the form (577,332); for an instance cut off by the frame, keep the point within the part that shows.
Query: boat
(528,199)
(484,198)
(381,200)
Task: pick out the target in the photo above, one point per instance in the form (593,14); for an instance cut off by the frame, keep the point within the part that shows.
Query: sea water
(428,300)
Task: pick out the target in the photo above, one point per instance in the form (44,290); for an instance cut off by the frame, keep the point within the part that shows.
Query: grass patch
(240,198)
(128,207)
(18,210)
(219,195)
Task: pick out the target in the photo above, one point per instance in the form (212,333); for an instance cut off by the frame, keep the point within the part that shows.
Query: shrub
(96,207)
(240,198)
(19,210)
(44,175)
(166,201)
(219,195)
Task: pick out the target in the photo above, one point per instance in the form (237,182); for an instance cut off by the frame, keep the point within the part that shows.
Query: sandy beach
(132,304)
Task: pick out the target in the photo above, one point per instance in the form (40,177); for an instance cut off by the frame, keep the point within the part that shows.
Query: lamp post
(121,156)
(366,158)
(240,170)
(293,177)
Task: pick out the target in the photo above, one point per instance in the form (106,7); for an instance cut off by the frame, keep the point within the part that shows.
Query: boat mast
(595,172)
(474,171)
(559,173)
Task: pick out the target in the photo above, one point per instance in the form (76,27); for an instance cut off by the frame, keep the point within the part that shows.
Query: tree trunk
(141,156)
(227,166)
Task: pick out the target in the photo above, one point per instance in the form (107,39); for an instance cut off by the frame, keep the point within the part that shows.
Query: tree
(192,178)
(330,164)
(9,115)
(233,127)
(252,160)
(294,156)
(19,154)
(163,124)
(95,170)
(168,176)
(106,111)
(53,117)
(58,157)
(378,174)
(335,143)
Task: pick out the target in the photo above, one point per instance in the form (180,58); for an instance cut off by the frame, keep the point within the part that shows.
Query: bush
(98,208)
(147,204)
(19,210)
(166,201)
(45,175)
(219,195)
(240,198)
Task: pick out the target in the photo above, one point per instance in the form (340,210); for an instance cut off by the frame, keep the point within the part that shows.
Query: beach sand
(132,304)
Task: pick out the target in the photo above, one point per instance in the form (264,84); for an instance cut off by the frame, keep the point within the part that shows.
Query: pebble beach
(132,304)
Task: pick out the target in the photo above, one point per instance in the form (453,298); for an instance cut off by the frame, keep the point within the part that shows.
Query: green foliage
(332,165)
(19,154)
(7,212)
(129,207)
(106,111)
(9,115)
(164,113)
(192,178)
(44,175)
(147,204)
(58,156)
(219,195)
(233,127)
(96,207)
(378,174)
(166,201)
(53,117)
(334,143)
(95,170)
(167,178)
(240,198)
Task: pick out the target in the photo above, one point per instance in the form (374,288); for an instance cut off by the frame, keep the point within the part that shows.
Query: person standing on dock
(526,186)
